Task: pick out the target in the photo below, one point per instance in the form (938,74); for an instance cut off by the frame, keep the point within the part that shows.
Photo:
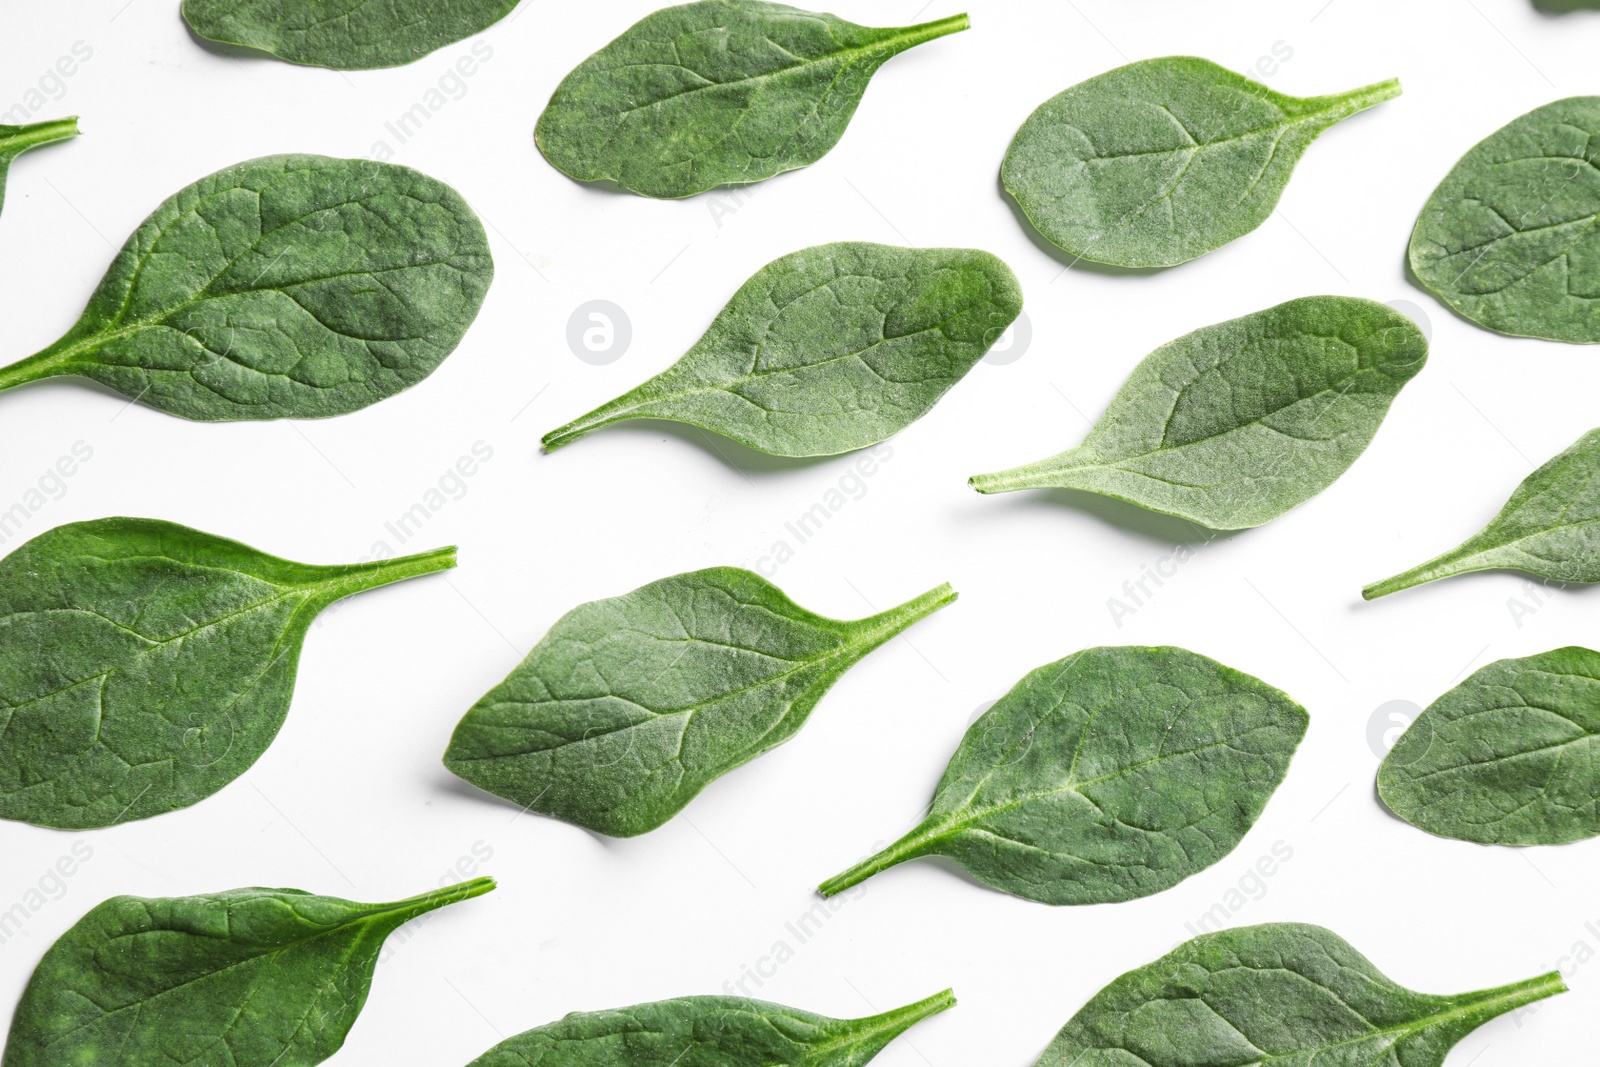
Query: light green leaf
(1164,160)
(1510,238)
(716,93)
(1280,993)
(289,287)
(1106,776)
(630,706)
(1550,528)
(709,1032)
(344,34)
(1508,757)
(829,349)
(1234,424)
(245,978)
(171,662)
(15,140)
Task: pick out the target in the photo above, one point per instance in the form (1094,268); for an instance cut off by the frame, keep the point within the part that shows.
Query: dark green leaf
(1509,238)
(1234,424)
(630,706)
(287,287)
(344,34)
(15,140)
(145,665)
(243,978)
(1280,993)
(829,349)
(1160,161)
(1507,757)
(1109,775)
(1550,527)
(716,93)
(709,1032)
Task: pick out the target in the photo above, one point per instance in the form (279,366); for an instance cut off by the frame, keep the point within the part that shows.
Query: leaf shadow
(1151,526)
(742,458)
(1564,7)
(1061,255)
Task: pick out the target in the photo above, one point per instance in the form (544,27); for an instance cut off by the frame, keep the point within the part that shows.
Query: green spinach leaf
(344,34)
(287,287)
(709,1032)
(1164,160)
(1276,993)
(247,978)
(716,93)
(145,665)
(629,707)
(1106,776)
(1510,238)
(1550,528)
(1507,756)
(829,349)
(15,140)
(1234,424)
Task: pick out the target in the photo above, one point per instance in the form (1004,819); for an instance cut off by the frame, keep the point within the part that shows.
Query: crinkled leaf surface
(243,978)
(708,1032)
(1511,238)
(1160,161)
(1508,757)
(287,287)
(630,706)
(15,140)
(829,349)
(344,34)
(1550,527)
(1280,993)
(1234,424)
(1109,775)
(145,665)
(716,93)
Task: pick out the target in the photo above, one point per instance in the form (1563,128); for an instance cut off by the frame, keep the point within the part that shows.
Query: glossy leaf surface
(1109,775)
(145,665)
(629,707)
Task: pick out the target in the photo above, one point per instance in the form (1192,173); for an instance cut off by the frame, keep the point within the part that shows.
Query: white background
(352,799)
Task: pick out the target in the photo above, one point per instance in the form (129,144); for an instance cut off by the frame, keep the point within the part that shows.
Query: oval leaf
(1506,757)
(1509,238)
(1109,775)
(1550,528)
(290,287)
(1276,993)
(716,93)
(630,706)
(1160,161)
(172,662)
(829,349)
(709,1032)
(341,34)
(247,978)
(15,140)
(1234,424)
